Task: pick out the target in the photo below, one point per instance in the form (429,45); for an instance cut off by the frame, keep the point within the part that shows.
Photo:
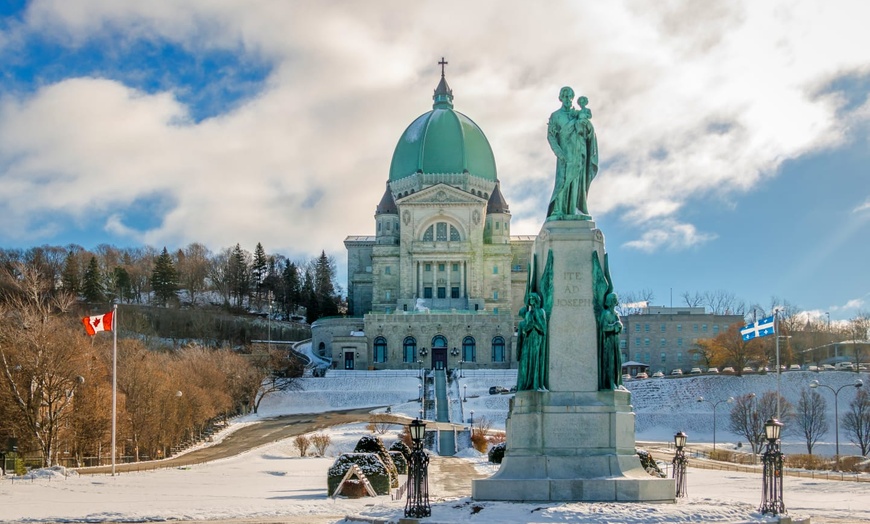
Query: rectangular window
(695,328)
(646,358)
(388,226)
(495,270)
(441,267)
(622,344)
(637,327)
(679,328)
(495,311)
(637,341)
(427,292)
(715,329)
(679,342)
(455,267)
(496,225)
(664,343)
(427,267)
(679,356)
(646,327)
(442,292)
(646,342)
(454,292)
(495,295)
(387,295)
(664,357)
(387,270)
(704,328)
(664,328)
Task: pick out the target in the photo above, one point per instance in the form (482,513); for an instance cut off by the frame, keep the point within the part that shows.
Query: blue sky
(733,135)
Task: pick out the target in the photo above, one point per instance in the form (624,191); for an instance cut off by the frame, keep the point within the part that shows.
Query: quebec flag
(762,328)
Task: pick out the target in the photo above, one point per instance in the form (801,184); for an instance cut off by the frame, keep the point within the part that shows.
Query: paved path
(248,437)
(446,437)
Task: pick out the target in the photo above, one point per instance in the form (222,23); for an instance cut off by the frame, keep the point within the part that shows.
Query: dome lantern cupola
(443,96)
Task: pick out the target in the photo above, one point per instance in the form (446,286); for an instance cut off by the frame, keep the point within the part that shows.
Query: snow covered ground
(274,483)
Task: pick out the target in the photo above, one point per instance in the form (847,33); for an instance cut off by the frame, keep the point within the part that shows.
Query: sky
(273,483)
(733,136)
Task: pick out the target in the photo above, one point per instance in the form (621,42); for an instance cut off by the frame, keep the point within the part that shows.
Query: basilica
(441,281)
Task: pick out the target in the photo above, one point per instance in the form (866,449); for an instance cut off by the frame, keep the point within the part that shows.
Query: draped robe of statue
(572,138)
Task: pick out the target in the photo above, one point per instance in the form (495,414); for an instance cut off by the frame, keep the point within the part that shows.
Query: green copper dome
(443,141)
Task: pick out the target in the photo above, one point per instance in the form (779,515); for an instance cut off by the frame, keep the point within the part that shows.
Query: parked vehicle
(728,369)
(794,367)
(641,376)
(845,366)
(695,371)
(813,368)
(658,374)
(713,371)
(748,369)
(626,377)
(827,367)
(677,372)
(498,390)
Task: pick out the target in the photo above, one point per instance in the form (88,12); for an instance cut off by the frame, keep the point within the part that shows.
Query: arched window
(454,234)
(409,349)
(438,232)
(469,349)
(498,349)
(439,341)
(322,349)
(380,349)
(429,235)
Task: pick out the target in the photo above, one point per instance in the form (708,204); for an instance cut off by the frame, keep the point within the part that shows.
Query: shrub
(400,461)
(496,453)
(373,444)
(320,441)
(370,464)
(379,424)
(302,443)
(649,463)
(479,433)
(402,447)
(804,461)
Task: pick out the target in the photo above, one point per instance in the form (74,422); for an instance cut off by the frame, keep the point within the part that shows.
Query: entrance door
(439,358)
(348,360)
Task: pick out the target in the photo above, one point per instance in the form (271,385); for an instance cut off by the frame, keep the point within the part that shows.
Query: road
(248,437)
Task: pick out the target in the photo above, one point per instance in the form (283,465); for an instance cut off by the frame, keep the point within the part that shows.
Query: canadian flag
(94,325)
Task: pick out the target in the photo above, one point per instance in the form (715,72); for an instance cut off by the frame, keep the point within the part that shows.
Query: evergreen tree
(324,286)
(239,275)
(70,275)
(259,272)
(164,278)
(122,283)
(92,286)
(291,289)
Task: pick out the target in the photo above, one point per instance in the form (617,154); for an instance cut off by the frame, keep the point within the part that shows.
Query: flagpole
(114,381)
(778,371)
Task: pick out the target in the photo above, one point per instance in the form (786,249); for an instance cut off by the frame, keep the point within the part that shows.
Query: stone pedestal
(573,442)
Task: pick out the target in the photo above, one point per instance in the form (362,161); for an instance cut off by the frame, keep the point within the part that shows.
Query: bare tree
(723,302)
(41,355)
(633,302)
(856,422)
(811,420)
(695,299)
(749,414)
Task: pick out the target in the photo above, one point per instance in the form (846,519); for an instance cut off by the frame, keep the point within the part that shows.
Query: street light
(420,393)
(771,492)
(857,384)
(460,368)
(679,463)
(417,488)
(465,393)
(715,405)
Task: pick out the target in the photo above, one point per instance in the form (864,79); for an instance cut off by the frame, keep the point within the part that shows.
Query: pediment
(441,194)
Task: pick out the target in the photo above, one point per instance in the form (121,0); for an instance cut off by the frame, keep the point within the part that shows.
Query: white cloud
(669,234)
(850,305)
(687,102)
(863,207)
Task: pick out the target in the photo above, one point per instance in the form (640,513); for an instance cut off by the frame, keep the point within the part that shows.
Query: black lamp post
(417,503)
(771,493)
(857,384)
(465,393)
(679,463)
